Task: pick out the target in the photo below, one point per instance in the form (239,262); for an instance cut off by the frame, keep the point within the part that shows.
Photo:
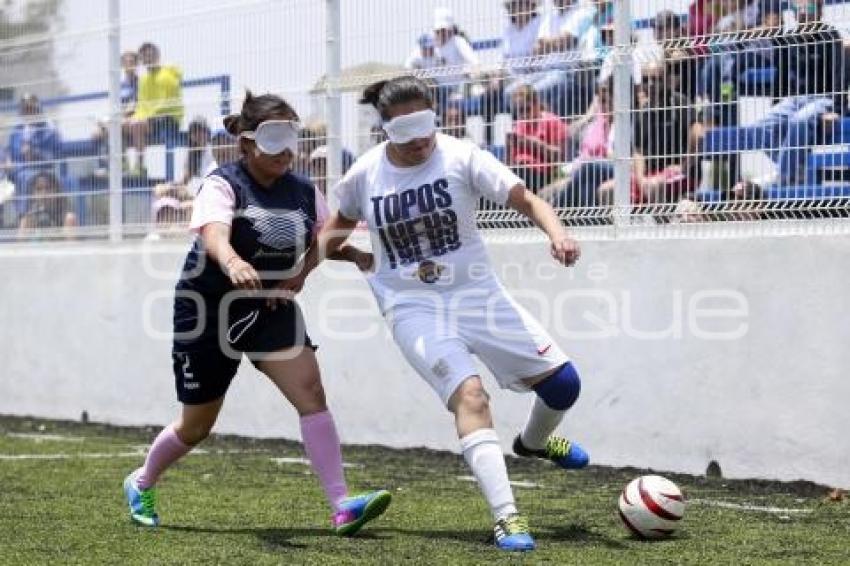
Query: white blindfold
(274,136)
(407,127)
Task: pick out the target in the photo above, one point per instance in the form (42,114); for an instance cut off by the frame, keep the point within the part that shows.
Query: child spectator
(159,109)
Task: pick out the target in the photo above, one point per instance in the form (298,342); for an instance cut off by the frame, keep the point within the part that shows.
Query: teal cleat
(358,510)
(142,502)
(568,455)
(511,534)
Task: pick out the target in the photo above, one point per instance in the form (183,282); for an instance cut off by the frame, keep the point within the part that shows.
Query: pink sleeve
(322,212)
(214,203)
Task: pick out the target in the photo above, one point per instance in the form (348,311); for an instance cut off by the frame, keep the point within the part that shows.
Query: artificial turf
(246,501)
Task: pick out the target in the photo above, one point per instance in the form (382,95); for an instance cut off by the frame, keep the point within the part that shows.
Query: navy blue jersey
(271,228)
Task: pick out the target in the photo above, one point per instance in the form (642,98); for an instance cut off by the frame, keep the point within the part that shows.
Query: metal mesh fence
(626,113)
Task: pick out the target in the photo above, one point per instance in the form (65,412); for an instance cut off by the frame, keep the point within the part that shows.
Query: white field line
(128,454)
(38,437)
(741,507)
(519,483)
(306,462)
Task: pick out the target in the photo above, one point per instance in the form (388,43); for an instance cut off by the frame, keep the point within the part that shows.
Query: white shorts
(438,339)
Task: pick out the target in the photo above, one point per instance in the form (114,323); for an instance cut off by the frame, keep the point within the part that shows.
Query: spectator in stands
(568,43)
(224,149)
(34,146)
(311,137)
(47,208)
(719,80)
(453,50)
(425,57)
(454,121)
(129,82)
(522,31)
(199,162)
(813,83)
(666,132)
(159,109)
(683,65)
(593,165)
(537,144)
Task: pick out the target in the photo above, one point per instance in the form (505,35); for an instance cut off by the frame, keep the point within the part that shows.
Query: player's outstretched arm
(564,249)
(332,237)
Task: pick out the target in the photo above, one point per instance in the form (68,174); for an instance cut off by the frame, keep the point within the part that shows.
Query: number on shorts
(187,371)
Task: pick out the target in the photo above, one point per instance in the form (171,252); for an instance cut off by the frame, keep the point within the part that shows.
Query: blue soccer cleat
(511,534)
(356,511)
(568,455)
(142,502)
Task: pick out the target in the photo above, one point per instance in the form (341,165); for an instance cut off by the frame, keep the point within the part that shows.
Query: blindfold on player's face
(274,136)
(408,127)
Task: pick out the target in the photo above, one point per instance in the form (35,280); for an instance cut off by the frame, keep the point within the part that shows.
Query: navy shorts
(208,347)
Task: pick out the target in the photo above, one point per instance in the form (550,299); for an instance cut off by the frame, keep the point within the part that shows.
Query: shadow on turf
(280,538)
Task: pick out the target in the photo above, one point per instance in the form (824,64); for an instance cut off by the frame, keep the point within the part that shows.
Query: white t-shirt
(457,51)
(518,42)
(422,219)
(578,22)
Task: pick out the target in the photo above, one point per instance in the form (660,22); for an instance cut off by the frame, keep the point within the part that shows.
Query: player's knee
(473,401)
(561,389)
(192,433)
(308,395)
(313,395)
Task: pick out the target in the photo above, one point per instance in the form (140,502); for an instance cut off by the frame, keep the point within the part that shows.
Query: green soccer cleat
(568,455)
(142,502)
(356,511)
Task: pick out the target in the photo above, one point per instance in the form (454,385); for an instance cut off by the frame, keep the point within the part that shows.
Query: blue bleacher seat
(757,82)
(820,161)
(807,192)
(733,138)
(709,195)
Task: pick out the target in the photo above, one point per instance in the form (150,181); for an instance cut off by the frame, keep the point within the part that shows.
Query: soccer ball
(651,506)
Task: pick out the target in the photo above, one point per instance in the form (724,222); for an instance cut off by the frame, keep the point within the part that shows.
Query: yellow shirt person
(160,93)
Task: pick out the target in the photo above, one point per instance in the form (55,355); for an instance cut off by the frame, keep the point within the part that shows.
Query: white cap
(443,18)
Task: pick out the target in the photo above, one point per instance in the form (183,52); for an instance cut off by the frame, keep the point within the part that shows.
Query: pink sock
(166,449)
(322,446)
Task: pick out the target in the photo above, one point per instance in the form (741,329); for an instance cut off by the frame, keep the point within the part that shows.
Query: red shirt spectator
(536,146)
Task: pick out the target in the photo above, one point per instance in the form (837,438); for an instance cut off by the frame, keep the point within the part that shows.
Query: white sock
(542,422)
(483,453)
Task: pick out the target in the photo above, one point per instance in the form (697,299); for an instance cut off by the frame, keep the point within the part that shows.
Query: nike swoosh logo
(542,351)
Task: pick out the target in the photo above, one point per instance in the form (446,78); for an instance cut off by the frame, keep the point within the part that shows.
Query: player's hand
(242,274)
(364,261)
(565,250)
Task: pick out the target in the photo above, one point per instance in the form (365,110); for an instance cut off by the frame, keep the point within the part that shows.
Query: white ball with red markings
(651,506)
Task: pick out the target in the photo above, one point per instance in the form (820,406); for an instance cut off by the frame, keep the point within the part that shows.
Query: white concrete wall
(661,387)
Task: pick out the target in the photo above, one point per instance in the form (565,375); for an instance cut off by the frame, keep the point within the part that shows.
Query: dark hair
(50,178)
(399,90)
(148,46)
(256,110)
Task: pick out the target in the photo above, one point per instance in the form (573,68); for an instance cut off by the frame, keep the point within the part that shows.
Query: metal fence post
(116,115)
(333,102)
(622,110)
